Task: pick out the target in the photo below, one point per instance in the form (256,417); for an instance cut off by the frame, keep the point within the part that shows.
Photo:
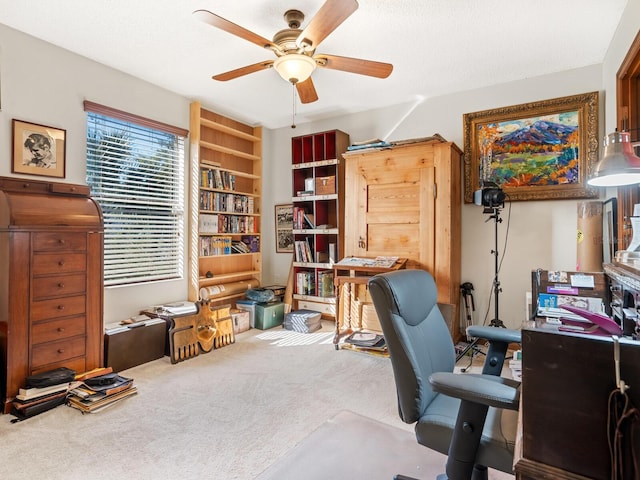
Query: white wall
(43,84)
(541,234)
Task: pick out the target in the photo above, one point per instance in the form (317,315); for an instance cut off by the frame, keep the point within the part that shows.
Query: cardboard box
(241,320)
(269,315)
(250,306)
(325,185)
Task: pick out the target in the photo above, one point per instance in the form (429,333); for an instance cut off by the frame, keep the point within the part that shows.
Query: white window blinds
(136,174)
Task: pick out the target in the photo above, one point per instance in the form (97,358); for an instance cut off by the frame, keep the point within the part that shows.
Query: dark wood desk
(356,274)
(566,382)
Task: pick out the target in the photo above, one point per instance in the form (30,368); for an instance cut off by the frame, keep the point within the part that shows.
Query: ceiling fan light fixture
(295,67)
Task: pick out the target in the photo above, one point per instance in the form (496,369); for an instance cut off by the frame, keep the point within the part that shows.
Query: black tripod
(496,322)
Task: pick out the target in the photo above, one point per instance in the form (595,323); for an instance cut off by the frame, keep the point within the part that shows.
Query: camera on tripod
(490,197)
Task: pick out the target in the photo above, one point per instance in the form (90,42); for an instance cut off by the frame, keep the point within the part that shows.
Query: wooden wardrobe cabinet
(405,201)
(51,280)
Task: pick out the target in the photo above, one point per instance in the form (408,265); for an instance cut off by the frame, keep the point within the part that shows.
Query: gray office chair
(472,418)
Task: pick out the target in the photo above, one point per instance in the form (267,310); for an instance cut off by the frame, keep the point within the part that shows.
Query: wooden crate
(325,185)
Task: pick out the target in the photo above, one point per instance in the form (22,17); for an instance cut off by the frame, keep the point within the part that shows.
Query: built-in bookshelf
(318,215)
(226,179)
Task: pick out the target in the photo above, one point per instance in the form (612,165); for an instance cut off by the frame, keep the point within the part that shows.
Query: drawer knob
(61,241)
(61,263)
(60,307)
(61,350)
(61,285)
(60,329)
(26,185)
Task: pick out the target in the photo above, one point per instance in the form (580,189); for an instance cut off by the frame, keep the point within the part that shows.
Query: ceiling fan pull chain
(293,106)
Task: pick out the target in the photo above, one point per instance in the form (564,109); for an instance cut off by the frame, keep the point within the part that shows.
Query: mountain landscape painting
(538,151)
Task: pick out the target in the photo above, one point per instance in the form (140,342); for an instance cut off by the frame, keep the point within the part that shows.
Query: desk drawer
(56,286)
(57,329)
(58,351)
(58,241)
(54,263)
(57,307)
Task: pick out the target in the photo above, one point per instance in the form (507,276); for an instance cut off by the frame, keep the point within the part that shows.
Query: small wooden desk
(356,274)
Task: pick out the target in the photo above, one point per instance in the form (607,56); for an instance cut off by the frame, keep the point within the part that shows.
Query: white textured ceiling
(436,47)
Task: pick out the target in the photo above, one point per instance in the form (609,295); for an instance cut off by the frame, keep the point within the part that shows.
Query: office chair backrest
(416,333)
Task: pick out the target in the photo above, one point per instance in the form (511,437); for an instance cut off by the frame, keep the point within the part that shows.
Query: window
(136,174)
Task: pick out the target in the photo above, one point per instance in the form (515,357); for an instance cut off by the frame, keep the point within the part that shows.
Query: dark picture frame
(38,149)
(542,150)
(284,228)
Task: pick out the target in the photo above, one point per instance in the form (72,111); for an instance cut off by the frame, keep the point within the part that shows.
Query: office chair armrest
(484,389)
(495,334)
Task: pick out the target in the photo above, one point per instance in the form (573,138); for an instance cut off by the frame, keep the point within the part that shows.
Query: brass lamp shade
(619,166)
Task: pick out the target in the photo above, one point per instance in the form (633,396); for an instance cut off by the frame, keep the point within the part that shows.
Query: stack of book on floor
(31,401)
(99,390)
(42,391)
(369,342)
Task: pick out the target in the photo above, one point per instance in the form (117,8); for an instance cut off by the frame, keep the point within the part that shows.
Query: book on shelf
(252,241)
(305,283)
(333,253)
(325,283)
(303,251)
(309,219)
(240,247)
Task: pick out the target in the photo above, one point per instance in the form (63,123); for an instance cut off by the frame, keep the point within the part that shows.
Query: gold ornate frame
(486,125)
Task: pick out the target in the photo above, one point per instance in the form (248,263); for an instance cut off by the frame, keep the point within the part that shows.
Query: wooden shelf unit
(226,196)
(317,162)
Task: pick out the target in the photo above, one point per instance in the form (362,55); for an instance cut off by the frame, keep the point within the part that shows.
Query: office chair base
(480,472)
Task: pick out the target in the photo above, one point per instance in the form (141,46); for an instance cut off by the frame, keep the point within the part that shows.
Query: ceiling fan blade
(328,18)
(354,65)
(239,72)
(307,91)
(223,24)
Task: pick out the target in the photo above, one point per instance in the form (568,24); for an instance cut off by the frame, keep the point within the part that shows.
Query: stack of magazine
(96,393)
(367,341)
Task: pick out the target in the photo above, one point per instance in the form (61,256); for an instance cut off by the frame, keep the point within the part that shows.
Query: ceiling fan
(295,48)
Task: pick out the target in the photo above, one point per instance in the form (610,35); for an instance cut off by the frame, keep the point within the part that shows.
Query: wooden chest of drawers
(51,280)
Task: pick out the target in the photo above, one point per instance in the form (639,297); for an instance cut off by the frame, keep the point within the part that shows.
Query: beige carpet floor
(233,413)
(351,446)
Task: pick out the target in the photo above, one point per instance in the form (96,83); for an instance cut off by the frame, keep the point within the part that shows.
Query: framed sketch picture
(284,228)
(38,149)
(535,151)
